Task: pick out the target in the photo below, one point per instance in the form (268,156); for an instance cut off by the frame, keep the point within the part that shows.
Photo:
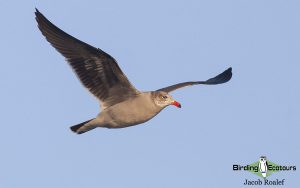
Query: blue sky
(157,43)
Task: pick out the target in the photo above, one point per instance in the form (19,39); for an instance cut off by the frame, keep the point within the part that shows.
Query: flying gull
(121,103)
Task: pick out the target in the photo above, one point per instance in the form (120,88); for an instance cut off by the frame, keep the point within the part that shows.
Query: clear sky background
(157,43)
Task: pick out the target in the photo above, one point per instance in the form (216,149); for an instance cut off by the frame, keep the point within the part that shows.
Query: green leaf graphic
(254,168)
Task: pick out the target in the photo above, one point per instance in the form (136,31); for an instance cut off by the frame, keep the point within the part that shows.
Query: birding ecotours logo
(264,168)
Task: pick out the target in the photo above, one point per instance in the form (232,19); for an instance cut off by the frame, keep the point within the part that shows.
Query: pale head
(163,99)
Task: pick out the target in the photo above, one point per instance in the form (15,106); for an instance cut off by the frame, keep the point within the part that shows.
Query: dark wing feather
(219,79)
(97,70)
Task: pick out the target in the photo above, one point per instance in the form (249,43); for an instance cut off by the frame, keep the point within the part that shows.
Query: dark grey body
(134,111)
(127,113)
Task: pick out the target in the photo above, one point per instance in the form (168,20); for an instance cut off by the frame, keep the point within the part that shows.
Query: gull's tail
(83,127)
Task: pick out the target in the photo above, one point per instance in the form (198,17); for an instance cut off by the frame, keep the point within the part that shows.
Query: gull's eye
(164,97)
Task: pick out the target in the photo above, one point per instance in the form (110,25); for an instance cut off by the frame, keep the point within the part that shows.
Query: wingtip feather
(221,78)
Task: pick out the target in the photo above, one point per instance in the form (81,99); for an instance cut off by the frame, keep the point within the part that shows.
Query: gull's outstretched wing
(220,79)
(97,70)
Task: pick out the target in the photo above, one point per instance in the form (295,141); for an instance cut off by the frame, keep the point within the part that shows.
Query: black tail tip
(75,128)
